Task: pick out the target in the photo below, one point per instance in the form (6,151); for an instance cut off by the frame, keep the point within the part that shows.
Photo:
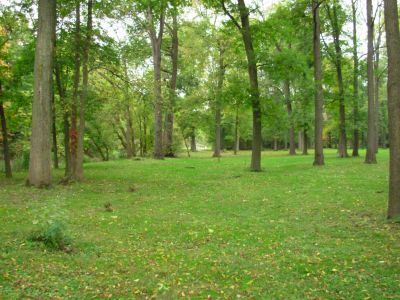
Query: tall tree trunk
(73,134)
(356,131)
(319,102)
(342,149)
(83,96)
(393,90)
(254,89)
(156,41)
(54,132)
(377,83)
(370,157)
(6,149)
(275,143)
(305,142)
(40,152)
(221,75)
(292,143)
(169,116)
(129,139)
(237,141)
(61,93)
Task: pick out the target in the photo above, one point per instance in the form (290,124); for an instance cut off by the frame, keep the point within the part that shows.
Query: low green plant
(53,236)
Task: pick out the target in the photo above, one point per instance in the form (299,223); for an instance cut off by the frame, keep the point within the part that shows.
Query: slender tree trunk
(305,142)
(40,152)
(73,134)
(6,149)
(54,133)
(193,147)
(393,90)
(156,41)
(319,150)
(275,143)
(292,143)
(356,133)
(342,149)
(377,83)
(237,141)
(61,92)
(221,75)
(83,96)
(169,116)
(370,157)
(254,89)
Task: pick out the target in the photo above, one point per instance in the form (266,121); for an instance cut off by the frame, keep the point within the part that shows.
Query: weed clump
(53,236)
(108,207)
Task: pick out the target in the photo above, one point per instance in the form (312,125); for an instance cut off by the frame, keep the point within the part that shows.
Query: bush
(53,236)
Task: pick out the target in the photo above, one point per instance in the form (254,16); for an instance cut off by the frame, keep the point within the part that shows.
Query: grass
(198,228)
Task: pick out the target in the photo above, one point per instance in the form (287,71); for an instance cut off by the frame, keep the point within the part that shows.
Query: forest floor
(202,228)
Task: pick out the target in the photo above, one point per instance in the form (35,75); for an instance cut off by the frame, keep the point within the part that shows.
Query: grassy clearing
(198,227)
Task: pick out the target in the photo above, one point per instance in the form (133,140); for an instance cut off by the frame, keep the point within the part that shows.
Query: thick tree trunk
(54,133)
(169,116)
(237,141)
(73,134)
(319,149)
(356,133)
(292,143)
(393,90)
(370,157)
(221,75)
(156,41)
(6,150)
(61,93)
(254,89)
(40,152)
(83,96)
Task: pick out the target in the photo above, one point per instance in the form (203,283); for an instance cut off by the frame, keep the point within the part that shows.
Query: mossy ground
(201,227)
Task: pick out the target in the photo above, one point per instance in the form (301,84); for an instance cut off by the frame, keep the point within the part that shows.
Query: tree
(356,131)
(370,157)
(318,154)
(244,29)
(40,152)
(393,90)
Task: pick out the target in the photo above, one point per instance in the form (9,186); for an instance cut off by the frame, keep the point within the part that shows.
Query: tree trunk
(169,116)
(83,96)
(156,41)
(54,132)
(319,149)
(73,135)
(377,83)
(305,142)
(237,141)
(193,147)
(370,157)
(292,143)
(40,152)
(342,149)
(221,74)
(6,150)
(61,92)
(254,89)
(356,133)
(393,90)
(275,143)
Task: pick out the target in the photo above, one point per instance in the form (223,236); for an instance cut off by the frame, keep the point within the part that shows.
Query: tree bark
(370,157)
(305,142)
(169,116)
(6,149)
(156,41)
(221,75)
(292,143)
(54,132)
(193,147)
(254,89)
(83,96)
(40,152)
(356,133)
(319,149)
(73,134)
(393,90)
(377,83)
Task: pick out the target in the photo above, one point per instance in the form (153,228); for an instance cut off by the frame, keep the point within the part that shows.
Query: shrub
(53,236)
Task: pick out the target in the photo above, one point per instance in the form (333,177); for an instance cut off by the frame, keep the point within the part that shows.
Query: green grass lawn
(198,227)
